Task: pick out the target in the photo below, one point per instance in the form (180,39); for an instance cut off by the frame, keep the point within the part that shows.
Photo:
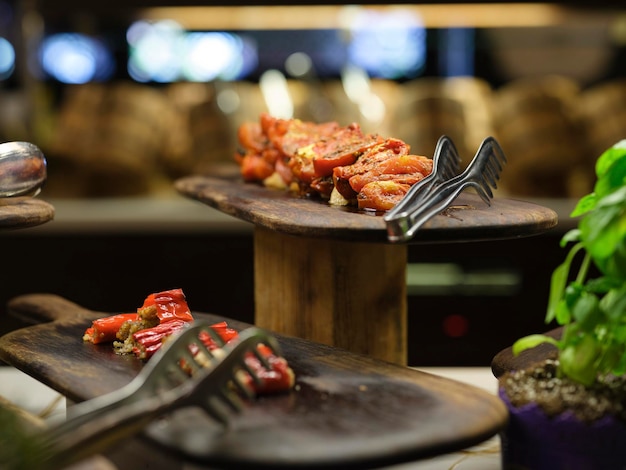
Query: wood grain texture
(469,219)
(23,212)
(346,294)
(346,411)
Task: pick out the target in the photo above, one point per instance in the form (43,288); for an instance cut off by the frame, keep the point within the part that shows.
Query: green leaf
(609,157)
(610,170)
(531,341)
(614,303)
(578,361)
(572,235)
(557,289)
(601,231)
(563,314)
(584,205)
(602,285)
(620,366)
(586,311)
(558,283)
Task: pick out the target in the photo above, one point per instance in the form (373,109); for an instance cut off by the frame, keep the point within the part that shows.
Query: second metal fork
(183,373)
(425,201)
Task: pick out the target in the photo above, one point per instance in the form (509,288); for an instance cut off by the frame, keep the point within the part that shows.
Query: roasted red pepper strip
(149,340)
(170,304)
(223,330)
(278,378)
(104,329)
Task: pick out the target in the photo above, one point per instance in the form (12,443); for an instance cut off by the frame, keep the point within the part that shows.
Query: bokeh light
(7,59)
(75,58)
(389,45)
(164,52)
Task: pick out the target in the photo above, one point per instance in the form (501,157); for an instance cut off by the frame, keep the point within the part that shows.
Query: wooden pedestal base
(350,295)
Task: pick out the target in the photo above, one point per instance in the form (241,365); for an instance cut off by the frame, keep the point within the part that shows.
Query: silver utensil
(23,169)
(430,197)
(183,373)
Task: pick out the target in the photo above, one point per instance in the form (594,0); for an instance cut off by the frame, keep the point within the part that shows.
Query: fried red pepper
(170,305)
(279,377)
(149,340)
(142,337)
(158,308)
(104,330)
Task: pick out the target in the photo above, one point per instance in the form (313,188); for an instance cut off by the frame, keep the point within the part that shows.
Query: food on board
(162,314)
(340,164)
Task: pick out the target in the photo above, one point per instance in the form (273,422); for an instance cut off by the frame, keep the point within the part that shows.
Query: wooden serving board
(327,273)
(346,411)
(23,212)
(468,219)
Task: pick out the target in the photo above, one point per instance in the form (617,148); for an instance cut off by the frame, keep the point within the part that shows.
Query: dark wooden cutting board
(346,411)
(469,218)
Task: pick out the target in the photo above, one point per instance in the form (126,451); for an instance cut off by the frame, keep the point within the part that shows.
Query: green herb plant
(591,306)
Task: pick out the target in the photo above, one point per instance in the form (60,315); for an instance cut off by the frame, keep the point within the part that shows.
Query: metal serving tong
(438,190)
(183,373)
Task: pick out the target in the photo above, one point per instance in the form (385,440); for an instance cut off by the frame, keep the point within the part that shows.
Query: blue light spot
(75,58)
(390,45)
(7,59)
(164,52)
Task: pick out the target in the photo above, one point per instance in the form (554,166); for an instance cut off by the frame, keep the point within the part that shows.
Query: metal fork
(183,373)
(419,206)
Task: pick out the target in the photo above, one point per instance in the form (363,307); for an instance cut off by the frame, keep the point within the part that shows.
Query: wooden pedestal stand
(347,294)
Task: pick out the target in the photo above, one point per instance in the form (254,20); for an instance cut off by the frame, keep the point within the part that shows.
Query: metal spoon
(23,169)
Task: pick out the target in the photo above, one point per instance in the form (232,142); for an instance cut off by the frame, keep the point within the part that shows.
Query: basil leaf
(584,205)
(601,231)
(586,311)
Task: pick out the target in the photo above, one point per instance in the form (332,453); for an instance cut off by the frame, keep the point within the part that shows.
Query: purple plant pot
(534,441)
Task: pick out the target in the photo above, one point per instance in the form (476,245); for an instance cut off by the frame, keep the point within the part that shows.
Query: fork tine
(232,399)
(242,385)
(215,408)
(262,359)
(484,191)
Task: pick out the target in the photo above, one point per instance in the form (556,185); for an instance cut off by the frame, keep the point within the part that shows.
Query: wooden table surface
(329,275)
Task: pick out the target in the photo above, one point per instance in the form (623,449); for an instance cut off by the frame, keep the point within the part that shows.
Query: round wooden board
(468,219)
(23,212)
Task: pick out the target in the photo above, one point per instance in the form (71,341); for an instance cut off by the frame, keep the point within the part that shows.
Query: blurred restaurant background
(126,97)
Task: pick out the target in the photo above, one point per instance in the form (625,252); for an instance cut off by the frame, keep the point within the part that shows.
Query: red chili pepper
(225,332)
(170,304)
(104,329)
(149,340)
